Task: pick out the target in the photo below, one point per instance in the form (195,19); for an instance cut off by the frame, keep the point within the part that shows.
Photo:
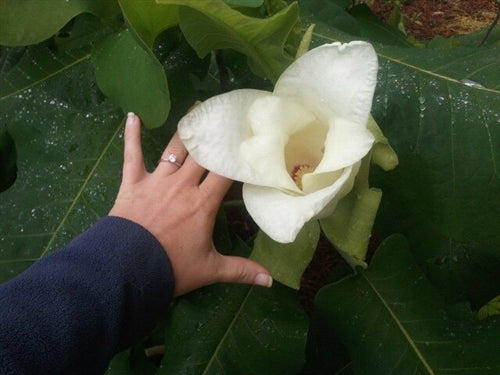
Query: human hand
(179,207)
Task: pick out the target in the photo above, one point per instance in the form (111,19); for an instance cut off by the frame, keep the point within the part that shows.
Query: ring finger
(173,156)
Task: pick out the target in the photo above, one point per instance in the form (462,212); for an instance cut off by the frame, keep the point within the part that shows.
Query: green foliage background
(70,70)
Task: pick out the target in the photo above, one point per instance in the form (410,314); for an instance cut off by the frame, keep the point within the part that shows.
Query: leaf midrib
(228,330)
(411,66)
(400,326)
(81,190)
(47,77)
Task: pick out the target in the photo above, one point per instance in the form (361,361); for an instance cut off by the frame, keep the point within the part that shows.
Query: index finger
(133,162)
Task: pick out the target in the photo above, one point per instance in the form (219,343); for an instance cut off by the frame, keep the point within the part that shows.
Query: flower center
(298,171)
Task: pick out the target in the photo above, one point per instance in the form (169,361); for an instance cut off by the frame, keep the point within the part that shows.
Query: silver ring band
(172,159)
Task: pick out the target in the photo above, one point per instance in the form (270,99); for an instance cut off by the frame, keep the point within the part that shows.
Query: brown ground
(423,19)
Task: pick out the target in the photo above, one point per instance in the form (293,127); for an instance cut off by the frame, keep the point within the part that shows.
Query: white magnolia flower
(297,149)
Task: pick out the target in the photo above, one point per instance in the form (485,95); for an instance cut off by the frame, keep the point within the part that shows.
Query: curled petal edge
(281,216)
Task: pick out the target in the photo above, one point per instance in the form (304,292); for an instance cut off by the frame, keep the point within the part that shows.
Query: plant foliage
(69,70)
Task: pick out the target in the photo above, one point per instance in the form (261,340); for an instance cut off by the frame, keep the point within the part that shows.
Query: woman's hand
(179,209)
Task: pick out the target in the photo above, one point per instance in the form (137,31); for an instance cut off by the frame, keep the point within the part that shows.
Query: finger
(234,269)
(173,156)
(216,186)
(192,171)
(133,162)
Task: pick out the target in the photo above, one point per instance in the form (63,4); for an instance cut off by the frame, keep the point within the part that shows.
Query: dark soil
(424,19)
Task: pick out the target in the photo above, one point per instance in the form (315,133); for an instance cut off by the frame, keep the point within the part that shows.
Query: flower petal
(273,121)
(334,80)
(314,181)
(265,154)
(281,215)
(346,143)
(214,130)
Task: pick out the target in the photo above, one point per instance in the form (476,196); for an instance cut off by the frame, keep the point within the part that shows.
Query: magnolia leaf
(349,227)
(236,329)
(130,362)
(447,177)
(305,42)
(32,21)
(287,261)
(383,154)
(212,24)
(34,65)
(245,3)
(26,67)
(120,365)
(69,159)
(124,68)
(469,272)
(393,321)
(490,309)
(68,147)
(148,18)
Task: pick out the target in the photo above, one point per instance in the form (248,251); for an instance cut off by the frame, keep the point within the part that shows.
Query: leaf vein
(45,78)
(214,356)
(400,326)
(80,191)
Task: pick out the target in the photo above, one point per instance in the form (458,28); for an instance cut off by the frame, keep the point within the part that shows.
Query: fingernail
(131,119)
(263,279)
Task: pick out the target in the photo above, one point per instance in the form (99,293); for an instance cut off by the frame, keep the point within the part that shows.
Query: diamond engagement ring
(171,158)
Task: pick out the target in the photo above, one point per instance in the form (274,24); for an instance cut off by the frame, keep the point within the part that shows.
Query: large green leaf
(129,73)
(27,67)
(469,271)
(212,24)
(67,140)
(245,3)
(287,261)
(236,329)
(148,18)
(47,97)
(446,135)
(131,362)
(32,21)
(69,154)
(392,321)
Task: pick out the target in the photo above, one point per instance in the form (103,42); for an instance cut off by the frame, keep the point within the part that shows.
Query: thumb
(235,269)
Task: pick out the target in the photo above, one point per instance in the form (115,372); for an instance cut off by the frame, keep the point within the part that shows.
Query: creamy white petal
(312,182)
(214,130)
(273,121)
(305,147)
(333,80)
(272,114)
(346,143)
(265,154)
(281,216)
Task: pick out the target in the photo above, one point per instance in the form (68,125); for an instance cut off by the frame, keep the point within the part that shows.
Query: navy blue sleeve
(70,312)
